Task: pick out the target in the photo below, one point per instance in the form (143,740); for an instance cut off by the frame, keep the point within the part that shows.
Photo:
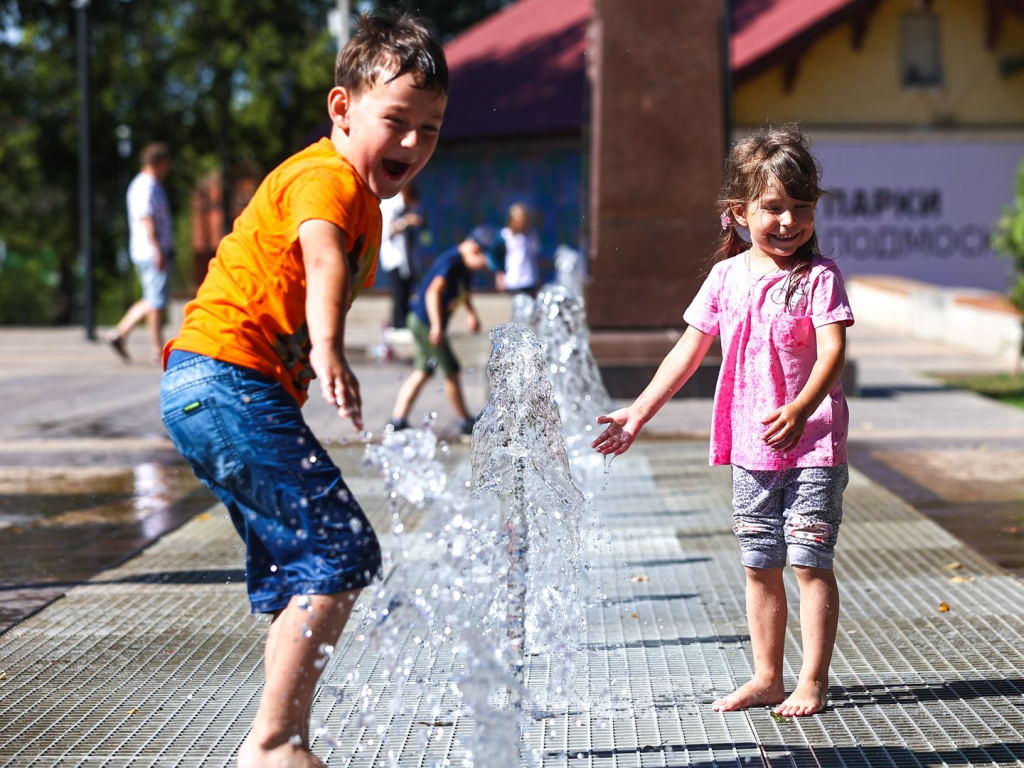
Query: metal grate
(158,662)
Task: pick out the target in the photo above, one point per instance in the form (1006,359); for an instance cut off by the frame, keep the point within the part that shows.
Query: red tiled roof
(762,29)
(522,71)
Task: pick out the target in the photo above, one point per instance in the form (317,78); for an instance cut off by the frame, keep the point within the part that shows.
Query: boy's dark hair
(390,44)
(153,153)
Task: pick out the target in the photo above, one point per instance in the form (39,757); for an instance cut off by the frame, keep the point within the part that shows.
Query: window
(922,62)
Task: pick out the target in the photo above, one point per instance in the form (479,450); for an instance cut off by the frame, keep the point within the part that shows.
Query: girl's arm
(678,366)
(786,424)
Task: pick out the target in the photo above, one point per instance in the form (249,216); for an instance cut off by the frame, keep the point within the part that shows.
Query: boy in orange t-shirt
(267,320)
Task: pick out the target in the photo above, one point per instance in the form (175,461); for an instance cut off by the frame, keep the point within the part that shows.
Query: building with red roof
(916,108)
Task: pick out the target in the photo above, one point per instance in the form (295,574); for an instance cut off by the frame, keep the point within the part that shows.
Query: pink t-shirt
(768,351)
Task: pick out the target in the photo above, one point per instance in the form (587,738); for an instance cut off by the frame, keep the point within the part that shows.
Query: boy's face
(389,131)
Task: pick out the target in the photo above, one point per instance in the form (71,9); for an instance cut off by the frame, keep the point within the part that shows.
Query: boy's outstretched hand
(338,384)
(623,427)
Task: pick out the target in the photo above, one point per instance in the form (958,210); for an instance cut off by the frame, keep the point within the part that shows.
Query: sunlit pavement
(157,662)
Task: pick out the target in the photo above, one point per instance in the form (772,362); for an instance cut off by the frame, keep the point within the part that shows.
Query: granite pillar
(657,137)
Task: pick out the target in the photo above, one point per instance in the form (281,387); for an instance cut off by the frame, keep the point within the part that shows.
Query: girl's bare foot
(287,755)
(751,694)
(809,698)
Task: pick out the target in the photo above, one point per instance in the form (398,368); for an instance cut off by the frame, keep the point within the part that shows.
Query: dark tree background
(248,76)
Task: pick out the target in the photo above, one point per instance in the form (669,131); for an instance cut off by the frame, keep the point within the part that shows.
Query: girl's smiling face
(779,224)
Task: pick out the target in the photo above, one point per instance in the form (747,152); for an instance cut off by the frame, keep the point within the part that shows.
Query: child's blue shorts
(245,438)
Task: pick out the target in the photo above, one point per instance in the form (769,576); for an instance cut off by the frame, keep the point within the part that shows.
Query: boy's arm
(678,366)
(788,422)
(432,297)
(472,319)
(328,288)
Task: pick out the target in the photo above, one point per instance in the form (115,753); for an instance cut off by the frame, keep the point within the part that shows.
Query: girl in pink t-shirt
(780,416)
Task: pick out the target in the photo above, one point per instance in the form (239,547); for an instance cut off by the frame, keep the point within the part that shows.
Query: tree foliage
(1008,238)
(250,76)
(450,17)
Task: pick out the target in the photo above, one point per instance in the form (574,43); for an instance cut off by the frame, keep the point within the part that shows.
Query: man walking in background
(151,245)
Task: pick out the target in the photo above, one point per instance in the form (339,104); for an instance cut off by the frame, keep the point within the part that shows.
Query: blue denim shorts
(246,440)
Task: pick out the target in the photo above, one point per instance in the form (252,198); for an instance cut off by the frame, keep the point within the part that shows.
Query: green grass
(1003,387)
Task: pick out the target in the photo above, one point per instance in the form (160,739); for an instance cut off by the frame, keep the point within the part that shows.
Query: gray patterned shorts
(794,511)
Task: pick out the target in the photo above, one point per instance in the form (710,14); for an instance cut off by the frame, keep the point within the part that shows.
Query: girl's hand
(786,427)
(623,427)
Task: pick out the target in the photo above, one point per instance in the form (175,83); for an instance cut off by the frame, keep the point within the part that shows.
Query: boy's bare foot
(809,698)
(751,694)
(286,755)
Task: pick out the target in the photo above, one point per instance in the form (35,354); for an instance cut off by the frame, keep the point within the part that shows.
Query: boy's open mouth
(395,168)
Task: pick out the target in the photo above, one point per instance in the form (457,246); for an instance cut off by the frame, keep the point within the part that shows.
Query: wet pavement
(88,476)
(72,508)
(84,457)
(157,662)
(88,479)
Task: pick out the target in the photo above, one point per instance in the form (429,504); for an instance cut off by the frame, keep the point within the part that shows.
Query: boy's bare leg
(291,677)
(453,388)
(819,622)
(766,616)
(408,393)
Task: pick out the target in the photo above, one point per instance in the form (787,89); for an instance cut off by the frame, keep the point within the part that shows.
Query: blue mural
(461,188)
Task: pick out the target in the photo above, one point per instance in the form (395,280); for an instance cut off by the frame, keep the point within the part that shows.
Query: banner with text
(919,210)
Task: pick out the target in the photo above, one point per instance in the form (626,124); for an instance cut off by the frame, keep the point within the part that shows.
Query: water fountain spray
(519,458)
(560,321)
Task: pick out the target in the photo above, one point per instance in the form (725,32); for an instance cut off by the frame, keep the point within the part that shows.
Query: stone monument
(657,152)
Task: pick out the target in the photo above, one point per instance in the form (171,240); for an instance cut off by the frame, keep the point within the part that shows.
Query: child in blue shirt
(443,289)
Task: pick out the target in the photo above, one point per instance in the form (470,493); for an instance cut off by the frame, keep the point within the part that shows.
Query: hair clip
(726,220)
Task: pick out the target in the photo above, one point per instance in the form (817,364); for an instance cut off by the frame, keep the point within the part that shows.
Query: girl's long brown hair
(772,155)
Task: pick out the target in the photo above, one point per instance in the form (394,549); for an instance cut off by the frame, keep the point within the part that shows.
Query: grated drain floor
(157,663)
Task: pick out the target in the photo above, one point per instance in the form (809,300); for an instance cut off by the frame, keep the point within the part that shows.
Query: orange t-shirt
(251,308)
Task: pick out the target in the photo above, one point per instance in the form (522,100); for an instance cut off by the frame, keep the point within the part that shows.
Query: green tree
(450,17)
(1008,239)
(248,76)
(239,79)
